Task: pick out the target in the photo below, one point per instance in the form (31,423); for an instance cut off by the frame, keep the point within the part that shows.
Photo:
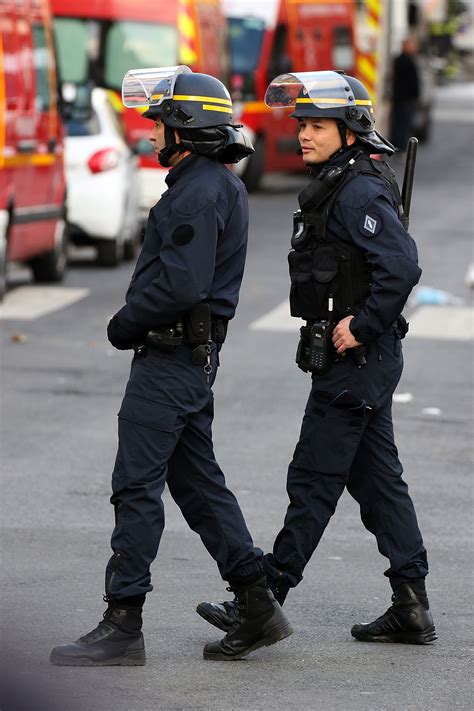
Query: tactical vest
(322,266)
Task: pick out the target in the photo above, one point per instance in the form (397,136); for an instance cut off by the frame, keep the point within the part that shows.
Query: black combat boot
(407,621)
(223,614)
(259,621)
(116,641)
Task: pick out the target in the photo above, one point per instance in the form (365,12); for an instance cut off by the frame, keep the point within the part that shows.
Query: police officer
(352,267)
(182,294)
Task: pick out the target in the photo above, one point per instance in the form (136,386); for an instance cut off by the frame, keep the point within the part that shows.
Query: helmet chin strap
(342,132)
(170,149)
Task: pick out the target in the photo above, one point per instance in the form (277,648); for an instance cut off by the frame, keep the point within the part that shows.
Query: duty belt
(173,335)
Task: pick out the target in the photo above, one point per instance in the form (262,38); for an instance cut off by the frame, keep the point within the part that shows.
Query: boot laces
(239,602)
(97,631)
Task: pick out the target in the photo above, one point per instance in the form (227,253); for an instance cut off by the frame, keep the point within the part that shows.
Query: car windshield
(246,37)
(76,126)
(103,51)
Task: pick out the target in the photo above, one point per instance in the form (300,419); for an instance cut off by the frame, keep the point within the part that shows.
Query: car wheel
(254,170)
(110,252)
(3,268)
(51,267)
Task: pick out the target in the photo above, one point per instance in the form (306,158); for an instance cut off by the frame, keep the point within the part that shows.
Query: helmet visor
(149,87)
(325,90)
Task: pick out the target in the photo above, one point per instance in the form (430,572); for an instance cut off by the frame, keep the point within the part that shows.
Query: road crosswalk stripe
(451,323)
(27,303)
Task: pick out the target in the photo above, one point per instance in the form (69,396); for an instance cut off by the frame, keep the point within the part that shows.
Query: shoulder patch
(370,224)
(182,234)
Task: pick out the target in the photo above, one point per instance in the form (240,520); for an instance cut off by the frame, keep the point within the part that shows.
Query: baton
(408,180)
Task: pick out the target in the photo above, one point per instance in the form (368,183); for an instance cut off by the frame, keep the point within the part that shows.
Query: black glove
(117,337)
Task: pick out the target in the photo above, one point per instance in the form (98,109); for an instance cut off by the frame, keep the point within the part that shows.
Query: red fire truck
(32,184)
(99,41)
(267,40)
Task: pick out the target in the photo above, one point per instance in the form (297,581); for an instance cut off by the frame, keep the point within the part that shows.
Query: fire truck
(32,182)
(267,39)
(99,41)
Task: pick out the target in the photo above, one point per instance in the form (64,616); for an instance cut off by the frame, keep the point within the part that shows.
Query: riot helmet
(329,94)
(198,106)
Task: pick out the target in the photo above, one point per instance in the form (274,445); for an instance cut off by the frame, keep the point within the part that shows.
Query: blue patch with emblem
(370,224)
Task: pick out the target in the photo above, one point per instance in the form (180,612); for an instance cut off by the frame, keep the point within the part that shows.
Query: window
(10,67)
(343,51)
(246,36)
(72,40)
(135,45)
(83,127)
(42,63)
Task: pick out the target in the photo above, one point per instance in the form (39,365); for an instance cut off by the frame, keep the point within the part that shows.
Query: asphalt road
(62,387)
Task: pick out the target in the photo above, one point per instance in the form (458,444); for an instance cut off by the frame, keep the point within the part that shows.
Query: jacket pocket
(312,277)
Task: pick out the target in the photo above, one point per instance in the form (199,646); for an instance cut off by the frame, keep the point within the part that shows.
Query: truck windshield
(103,51)
(245,37)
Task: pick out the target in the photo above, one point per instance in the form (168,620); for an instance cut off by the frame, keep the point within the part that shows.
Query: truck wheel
(51,267)
(4,222)
(3,268)
(254,170)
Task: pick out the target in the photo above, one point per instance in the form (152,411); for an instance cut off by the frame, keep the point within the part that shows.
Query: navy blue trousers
(165,437)
(347,440)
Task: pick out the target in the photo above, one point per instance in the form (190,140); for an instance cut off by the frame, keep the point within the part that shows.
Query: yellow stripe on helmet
(208,107)
(326,100)
(227,102)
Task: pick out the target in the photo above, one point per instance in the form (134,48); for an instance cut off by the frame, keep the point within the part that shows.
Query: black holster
(197,325)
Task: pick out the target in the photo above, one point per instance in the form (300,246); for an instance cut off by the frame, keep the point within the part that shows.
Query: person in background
(406,90)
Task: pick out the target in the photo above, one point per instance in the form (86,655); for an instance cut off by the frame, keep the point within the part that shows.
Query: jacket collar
(175,173)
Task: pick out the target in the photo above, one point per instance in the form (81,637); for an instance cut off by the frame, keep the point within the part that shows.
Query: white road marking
(29,302)
(433,411)
(278,319)
(449,323)
(403,398)
(444,114)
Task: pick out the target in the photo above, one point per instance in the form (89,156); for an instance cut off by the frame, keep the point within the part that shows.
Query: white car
(102,183)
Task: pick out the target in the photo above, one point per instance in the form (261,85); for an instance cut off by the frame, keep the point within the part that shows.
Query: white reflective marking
(334,557)
(370,224)
(402,398)
(278,319)
(447,323)
(29,302)
(433,411)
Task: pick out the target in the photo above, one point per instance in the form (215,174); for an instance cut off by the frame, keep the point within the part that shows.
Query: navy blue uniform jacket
(365,214)
(194,249)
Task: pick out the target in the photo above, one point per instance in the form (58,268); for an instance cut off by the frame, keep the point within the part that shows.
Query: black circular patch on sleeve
(182,234)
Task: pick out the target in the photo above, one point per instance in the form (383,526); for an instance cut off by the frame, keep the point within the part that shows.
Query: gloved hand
(116,335)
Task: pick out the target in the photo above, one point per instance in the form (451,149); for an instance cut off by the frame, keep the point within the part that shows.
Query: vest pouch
(312,274)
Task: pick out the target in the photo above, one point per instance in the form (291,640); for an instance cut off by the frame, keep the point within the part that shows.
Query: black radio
(321,350)
(315,350)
